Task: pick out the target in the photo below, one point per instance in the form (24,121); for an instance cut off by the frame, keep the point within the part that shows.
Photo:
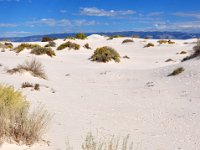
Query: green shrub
(46,39)
(43,50)
(6,45)
(87,46)
(127,41)
(50,44)
(105,54)
(177,71)
(69,45)
(162,41)
(196,52)
(115,36)
(149,45)
(69,38)
(33,66)
(16,122)
(22,46)
(80,36)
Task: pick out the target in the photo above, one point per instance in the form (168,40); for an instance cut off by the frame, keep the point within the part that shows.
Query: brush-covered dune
(135,96)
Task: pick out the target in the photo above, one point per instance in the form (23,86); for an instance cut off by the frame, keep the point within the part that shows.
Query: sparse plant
(18,124)
(127,41)
(115,36)
(126,57)
(26,85)
(183,52)
(69,45)
(6,45)
(87,46)
(80,36)
(177,71)
(196,52)
(149,45)
(170,42)
(51,44)
(46,39)
(43,50)
(34,66)
(135,36)
(168,60)
(37,87)
(162,41)
(105,54)
(22,46)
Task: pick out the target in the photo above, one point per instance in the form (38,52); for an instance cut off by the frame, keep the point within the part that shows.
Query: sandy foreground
(134,97)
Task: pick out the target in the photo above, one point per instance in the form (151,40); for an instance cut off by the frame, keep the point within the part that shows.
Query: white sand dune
(134,97)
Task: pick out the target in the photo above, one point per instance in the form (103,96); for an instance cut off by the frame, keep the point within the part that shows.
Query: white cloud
(183,14)
(60,23)
(7,25)
(93,11)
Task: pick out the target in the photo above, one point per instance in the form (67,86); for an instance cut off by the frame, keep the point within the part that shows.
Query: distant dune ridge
(114,92)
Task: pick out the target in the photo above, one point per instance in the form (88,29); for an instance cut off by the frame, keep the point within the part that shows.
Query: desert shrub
(183,52)
(115,36)
(18,124)
(80,36)
(170,42)
(87,46)
(126,57)
(149,45)
(46,39)
(69,45)
(26,85)
(43,50)
(22,46)
(34,67)
(177,71)
(37,87)
(6,45)
(50,44)
(105,54)
(135,36)
(196,52)
(127,41)
(168,60)
(162,41)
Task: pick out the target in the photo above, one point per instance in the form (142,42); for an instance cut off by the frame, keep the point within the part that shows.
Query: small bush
(50,44)
(17,123)
(69,38)
(105,54)
(46,39)
(115,36)
(26,85)
(135,36)
(6,45)
(69,45)
(162,41)
(43,50)
(183,52)
(80,36)
(126,57)
(87,46)
(22,46)
(149,45)
(177,71)
(34,67)
(196,52)
(170,42)
(168,60)
(127,41)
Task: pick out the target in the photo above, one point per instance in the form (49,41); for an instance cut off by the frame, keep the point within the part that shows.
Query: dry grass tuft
(69,45)
(43,50)
(149,45)
(177,71)
(34,67)
(17,123)
(127,41)
(22,46)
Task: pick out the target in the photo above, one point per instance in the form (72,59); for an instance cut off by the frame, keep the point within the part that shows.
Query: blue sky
(35,17)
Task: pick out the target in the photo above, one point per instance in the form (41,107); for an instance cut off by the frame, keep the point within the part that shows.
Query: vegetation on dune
(105,54)
(165,42)
(87,46)
(51,44)
(46,39)
(30,85)
(80,36)
(149,45)
(43,50)
(23,46)
(177,71)
(127,41)
(69,45)
(115,36)
(34,67)
(6,45)
(135,36)
(196,52)
(18,124)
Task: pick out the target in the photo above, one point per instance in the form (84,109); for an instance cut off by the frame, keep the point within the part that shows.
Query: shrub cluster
(196,52)
(115,36)
(43,50)
(22,46)
(87,46)
(177,71)
(46,39)
(105,54)
(28,85)
(50,44)
(17,124)
(127,41)
(80,36)
(149,45)
(6,45)
(69,45)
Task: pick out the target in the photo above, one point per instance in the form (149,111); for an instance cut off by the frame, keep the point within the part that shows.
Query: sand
(134,97)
